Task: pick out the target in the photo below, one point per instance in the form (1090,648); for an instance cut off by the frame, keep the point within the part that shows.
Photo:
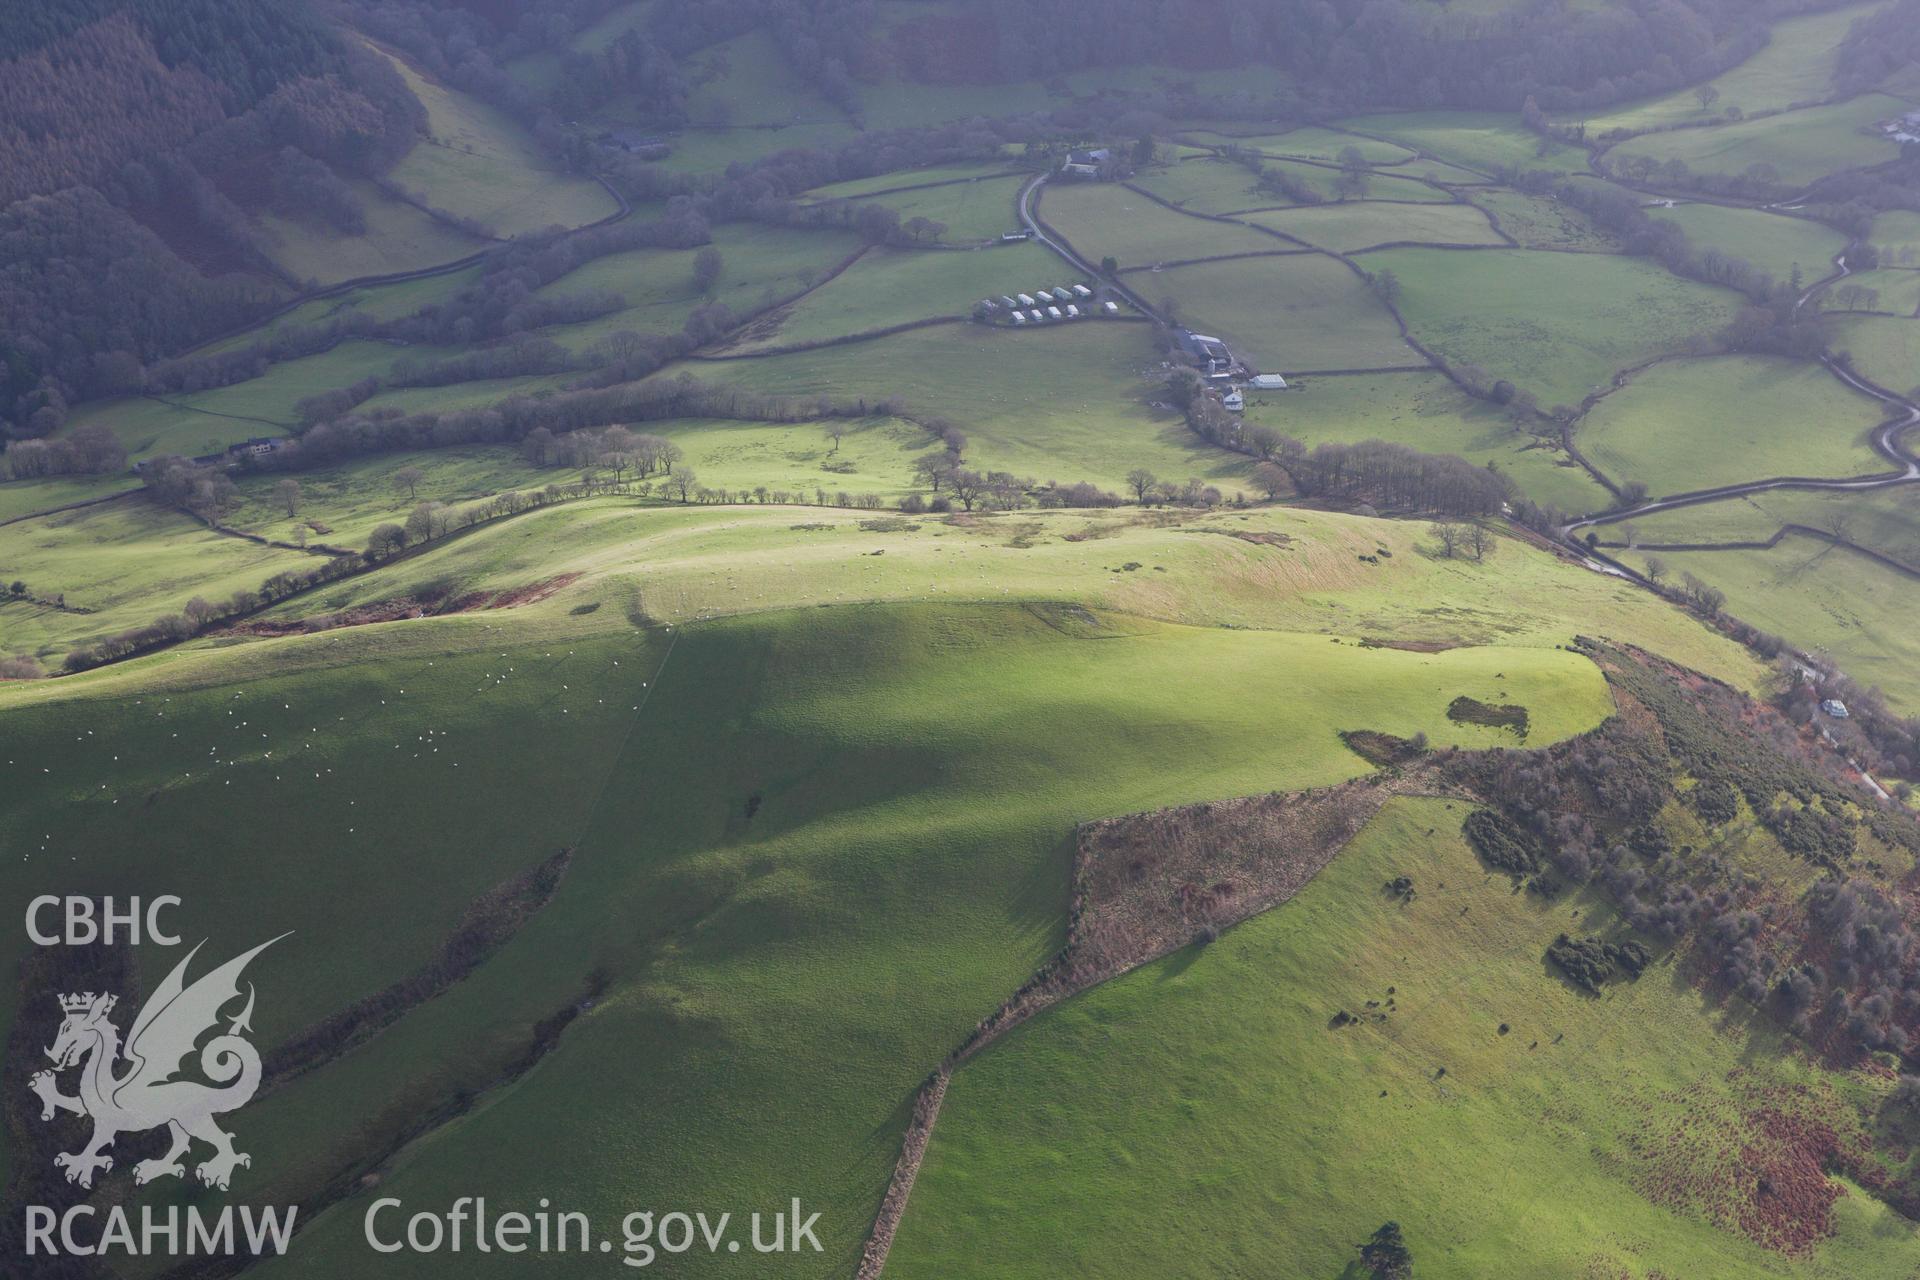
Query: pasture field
(1801,146)
(1795,68)
(1886,521)
(704,150)
(1895,290)
(205,421)
(888,287)
(542,69)
(1217,1069)
(1365,224)
(971,211)
(1502,310)
(1480,141)
(692,562)
(30,497)
(381,302)
(1205,185)
(1302,312)
(735,963)
(478,394)
(1896,236)
(1770,241)
(758,265)
(340,505)
(118,566)
(1539,223)
(1103,220)
(1826,599)
(746,80)
(895,180)
(1310,142)
(1884,349)
(398,238)
(1064,402)
(478,163)
(875,456)
(1426,411)
(1693,424)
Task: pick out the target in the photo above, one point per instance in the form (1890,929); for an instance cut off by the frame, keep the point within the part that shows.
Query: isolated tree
(425,522)
(1632,494)
(707,265)
(1387,285)
(1109,266)
(287,494)
(967,485)
(1656,569)
(1448,535)
(385,541)
(1840,525)
(1143,150)
(1272,479)
(1708,95)
(836,431)
(409,478)
(1480,541)
(683,482)
(1142,482)
(1386,1254)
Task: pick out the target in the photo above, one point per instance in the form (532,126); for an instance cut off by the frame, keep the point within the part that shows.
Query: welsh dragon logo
(146,1094)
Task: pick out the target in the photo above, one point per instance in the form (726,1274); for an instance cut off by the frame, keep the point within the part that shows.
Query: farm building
(1053,313)
(1018,318)
(1233,401)
(1268,382)
(1026,299)
(1835,708)
(1035,315)
(1209,354)
(1015,237)
(1061,295)
(1081,291)
(1008,302)
(1111,307)
(1086,164)
(1073,312)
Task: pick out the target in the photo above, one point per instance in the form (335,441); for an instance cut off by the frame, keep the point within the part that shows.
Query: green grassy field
(1887,521)
(118,566)
(971,211)
(1210,1086)
(1897,237)
(1895,289)
(1772,242)
(773,958)
(1426,411)
(747,80)
(1795,67)
(1348,228)
(1205,186)
(29,497)
(380,302)
(1478,140)
(1064,402)
(1695,424)
(685,563)
(893,180)
(1539,223)
(1102,220)
(1502,310)
(478,163)
(759,265)
(398,238)
(1286,314)
(348,500)
(889,287)
(1883,348)
(1310,142)
(1826,599)
(1800,146)
(206,421)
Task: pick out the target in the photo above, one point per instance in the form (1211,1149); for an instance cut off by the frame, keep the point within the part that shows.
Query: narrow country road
(1052,239)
